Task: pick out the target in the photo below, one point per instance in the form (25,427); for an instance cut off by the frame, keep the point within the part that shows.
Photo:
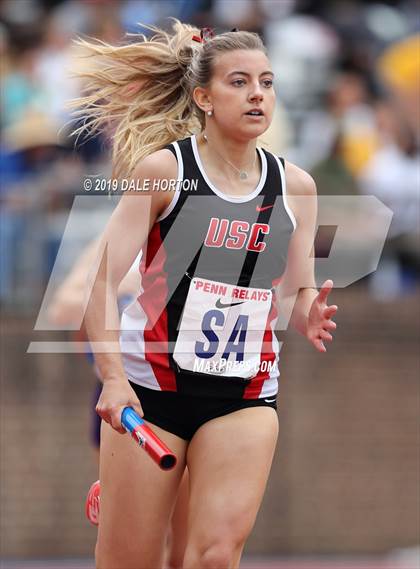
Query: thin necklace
(243,174)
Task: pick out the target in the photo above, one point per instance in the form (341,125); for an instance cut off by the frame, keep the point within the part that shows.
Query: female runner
(197,355)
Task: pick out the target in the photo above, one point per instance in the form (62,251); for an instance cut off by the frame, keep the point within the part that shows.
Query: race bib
(222,329)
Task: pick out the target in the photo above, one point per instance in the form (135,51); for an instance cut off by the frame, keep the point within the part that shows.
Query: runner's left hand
(319,318)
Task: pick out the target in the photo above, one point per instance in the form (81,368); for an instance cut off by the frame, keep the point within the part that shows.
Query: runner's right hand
(115,396)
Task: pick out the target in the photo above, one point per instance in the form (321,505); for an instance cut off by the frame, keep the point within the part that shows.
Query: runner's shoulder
(150,173)
(158,165)
(299,182)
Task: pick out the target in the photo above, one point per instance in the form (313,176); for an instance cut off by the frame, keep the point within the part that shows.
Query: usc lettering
(239,233)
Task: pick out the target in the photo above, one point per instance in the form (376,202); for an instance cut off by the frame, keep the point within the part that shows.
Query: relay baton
(147,439)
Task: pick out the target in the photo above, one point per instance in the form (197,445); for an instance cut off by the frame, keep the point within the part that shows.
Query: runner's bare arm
(121,241)
(67,304)
(297,289)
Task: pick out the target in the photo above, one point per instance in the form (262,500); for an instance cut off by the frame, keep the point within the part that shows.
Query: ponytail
(137,93)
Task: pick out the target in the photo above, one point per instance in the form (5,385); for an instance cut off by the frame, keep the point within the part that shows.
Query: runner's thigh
(229,460)
(137,498)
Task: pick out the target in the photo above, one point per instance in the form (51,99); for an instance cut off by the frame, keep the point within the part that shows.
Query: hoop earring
(209,113)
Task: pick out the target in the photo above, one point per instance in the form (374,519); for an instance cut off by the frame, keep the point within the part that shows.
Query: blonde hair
(142,90)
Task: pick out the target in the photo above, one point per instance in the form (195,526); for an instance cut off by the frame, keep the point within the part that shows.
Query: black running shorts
(183,415)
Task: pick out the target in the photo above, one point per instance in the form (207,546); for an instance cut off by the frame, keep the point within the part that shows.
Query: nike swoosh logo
(259,208)
(220,304)
(269,400)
